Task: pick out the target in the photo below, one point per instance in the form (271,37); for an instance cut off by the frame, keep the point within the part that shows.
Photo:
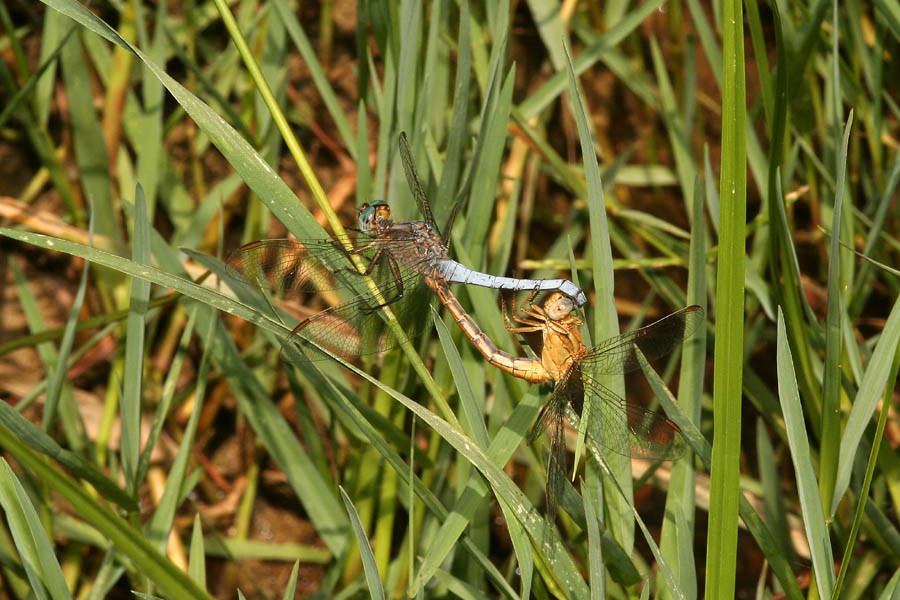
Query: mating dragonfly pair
(408,264)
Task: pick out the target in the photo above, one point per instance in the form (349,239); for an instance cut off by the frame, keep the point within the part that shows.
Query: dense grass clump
(740,156)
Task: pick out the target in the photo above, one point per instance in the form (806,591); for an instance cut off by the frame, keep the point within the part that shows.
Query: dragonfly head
(370,215)
(558,306)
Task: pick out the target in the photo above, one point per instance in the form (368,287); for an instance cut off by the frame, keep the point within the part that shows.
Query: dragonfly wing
(617,354)
(552,421)
(627,429)
(358,327)
(289,267)
(415,184)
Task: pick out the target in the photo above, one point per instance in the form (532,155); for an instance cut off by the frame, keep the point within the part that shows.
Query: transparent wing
(625,428)
(358,327)
(415,184)
(552,421)
(612,423)
(290,267)
(617,354)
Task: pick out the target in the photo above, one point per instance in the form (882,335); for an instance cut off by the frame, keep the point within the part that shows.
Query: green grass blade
(606,320)
(677,541)
(807,487)
(870,390)
(197,561)
(134,347)
(831,393)
(866,486)
(595,547)
(128,541)
(373,578)
(725,469)
(35,550)
(473,412)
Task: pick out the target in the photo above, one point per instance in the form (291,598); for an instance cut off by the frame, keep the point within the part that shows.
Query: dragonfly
(553,330)
(403,259)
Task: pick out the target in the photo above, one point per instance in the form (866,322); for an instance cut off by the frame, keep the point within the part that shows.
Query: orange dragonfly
(553,330)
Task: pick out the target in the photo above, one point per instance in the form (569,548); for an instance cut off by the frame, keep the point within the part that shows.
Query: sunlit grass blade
(807,486)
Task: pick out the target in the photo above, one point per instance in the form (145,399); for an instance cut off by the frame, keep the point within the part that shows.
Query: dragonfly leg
(529,300)
(395,271)
(373,262)
(532,324)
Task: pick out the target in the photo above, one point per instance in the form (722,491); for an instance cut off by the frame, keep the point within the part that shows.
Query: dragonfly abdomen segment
(529,369)
(454,272)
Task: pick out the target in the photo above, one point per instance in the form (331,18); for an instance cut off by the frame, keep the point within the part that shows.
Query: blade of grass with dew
(606,320)
(373,578)
(807,487)
(676,543)
(829,446)
(725,468)
(130,405)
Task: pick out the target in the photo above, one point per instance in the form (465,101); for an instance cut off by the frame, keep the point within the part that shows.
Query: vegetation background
(153,443)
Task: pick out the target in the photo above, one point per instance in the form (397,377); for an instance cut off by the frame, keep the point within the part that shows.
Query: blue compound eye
(368,213)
